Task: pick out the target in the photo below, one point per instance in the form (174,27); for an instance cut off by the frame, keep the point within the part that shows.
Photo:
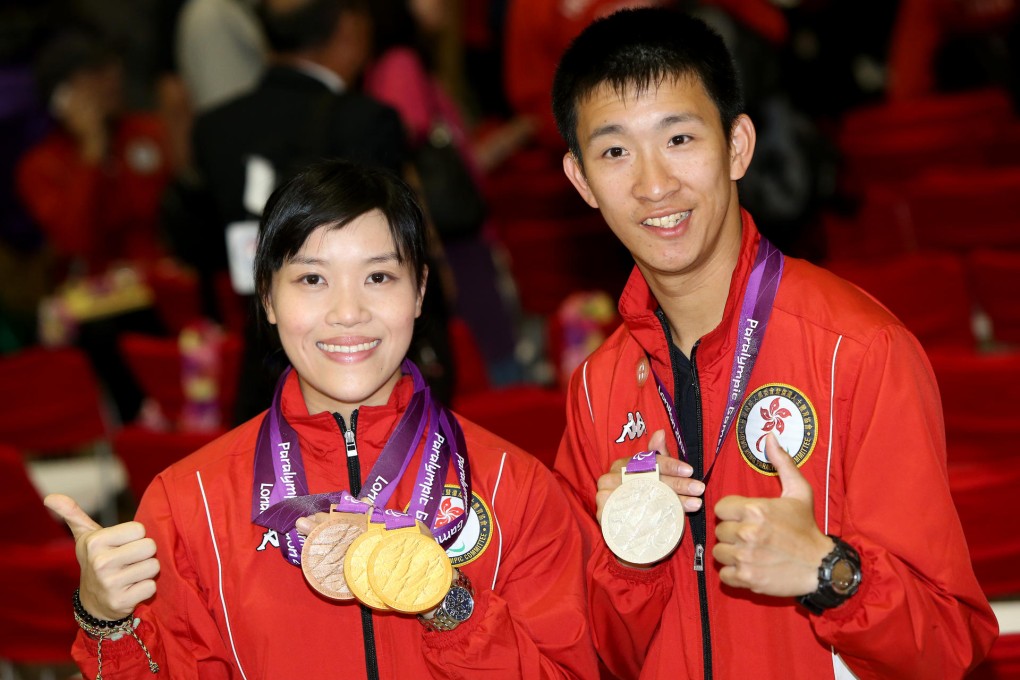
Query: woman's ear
(267,307)
(421,291)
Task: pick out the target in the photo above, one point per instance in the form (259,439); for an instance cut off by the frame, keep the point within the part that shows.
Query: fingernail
(303,525)
(696,487)
(692,504)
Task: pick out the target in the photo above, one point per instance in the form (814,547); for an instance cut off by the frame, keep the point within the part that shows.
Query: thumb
(658,442)
(77,519)
(794,484)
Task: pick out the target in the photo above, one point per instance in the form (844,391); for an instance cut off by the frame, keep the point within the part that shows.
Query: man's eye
(614,152)
(678,140)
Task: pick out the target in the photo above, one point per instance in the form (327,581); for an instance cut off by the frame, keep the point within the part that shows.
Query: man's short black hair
(641,48)
(295,26)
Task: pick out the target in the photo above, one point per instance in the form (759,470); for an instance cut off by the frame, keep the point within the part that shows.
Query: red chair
(995,282)
(926,291)
(53,402)
(985,496)
(471,372)
(1002,662)
(893,141)
(552,258)
(38,573)
(964,209)
(979,396)
(176,295)
(156,364)
(145,453)
(528,416)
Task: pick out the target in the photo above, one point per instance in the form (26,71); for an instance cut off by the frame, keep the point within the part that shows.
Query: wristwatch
(839,576)
(456,607)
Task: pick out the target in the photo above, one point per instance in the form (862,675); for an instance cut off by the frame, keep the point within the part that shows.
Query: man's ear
(742,139)
(575,173)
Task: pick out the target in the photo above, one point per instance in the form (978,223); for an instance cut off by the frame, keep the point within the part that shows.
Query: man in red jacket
(740,366)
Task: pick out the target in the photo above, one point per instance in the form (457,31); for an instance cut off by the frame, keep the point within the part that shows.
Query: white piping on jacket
(495,517)
(219,573)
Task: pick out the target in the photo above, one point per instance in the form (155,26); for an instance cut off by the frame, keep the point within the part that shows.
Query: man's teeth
(348,349)
(667,221)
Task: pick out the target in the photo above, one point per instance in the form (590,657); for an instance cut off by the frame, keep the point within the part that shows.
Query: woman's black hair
(640,48)
(394,25)
(334,193)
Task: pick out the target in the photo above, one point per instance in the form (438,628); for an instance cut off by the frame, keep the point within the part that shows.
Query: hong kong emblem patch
(780,409)
(477,533)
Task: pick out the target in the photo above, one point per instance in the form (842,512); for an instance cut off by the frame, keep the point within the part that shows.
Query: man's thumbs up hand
(118,563)
(772,545)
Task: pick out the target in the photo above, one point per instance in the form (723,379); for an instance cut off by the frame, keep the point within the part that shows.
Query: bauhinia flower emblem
(447,513)
(773,417)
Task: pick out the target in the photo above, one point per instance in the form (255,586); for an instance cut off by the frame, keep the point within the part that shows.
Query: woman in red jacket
(216,579)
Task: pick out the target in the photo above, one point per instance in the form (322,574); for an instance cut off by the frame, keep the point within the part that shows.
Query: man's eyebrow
(668,121)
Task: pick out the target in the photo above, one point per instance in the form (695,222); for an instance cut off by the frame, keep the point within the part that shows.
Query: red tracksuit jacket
(228,605)
(862,416)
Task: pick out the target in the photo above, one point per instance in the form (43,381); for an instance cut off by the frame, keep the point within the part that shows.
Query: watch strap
(826,596)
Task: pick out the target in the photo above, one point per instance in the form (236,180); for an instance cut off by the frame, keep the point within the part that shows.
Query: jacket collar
(319,433)
(638,306)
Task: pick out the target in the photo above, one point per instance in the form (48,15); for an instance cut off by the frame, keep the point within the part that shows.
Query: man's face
(659,167)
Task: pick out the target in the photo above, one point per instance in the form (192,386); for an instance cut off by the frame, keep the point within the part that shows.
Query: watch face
(844,576)
(459,604)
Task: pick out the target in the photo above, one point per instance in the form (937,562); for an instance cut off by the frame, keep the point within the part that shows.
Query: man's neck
(694,302)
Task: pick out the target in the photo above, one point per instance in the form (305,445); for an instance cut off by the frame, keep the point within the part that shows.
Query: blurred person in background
(402,75)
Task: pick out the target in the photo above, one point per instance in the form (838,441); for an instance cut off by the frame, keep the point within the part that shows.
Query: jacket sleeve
(530,621)
(920,611)
(624,604)
(175,624)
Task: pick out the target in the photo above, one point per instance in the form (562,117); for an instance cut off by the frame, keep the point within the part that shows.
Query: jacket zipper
(698,526)
(354,480)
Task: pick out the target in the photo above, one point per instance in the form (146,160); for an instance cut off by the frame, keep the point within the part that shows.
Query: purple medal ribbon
(643,461)
(280,489)
(755,310)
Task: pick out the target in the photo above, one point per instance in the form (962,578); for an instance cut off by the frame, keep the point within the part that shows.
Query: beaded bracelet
(101,630)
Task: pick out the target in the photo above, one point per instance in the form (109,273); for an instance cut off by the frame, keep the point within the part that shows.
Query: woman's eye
(312,279)
(378,277)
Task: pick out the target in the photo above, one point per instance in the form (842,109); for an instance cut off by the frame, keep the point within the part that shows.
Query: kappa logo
(781,409)
(475,536)
(633,428)
(269,538)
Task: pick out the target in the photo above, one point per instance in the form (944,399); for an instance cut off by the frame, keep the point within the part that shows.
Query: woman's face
(345,308)
(430,14)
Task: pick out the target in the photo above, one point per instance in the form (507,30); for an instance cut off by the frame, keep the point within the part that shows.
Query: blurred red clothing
(538,32)
(99,213)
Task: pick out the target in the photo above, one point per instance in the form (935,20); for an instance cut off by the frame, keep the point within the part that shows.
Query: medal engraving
(356,566)
(643,520)
(324,553)
(409,571)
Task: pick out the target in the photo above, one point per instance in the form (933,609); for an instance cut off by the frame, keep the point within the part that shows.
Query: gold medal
(325,551)
(643,520)
(409,571)
(356,565)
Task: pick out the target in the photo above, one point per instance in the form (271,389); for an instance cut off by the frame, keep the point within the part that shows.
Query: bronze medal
(325,551)
(409,571)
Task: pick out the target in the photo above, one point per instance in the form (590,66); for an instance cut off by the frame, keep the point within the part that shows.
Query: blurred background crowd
(140,139)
